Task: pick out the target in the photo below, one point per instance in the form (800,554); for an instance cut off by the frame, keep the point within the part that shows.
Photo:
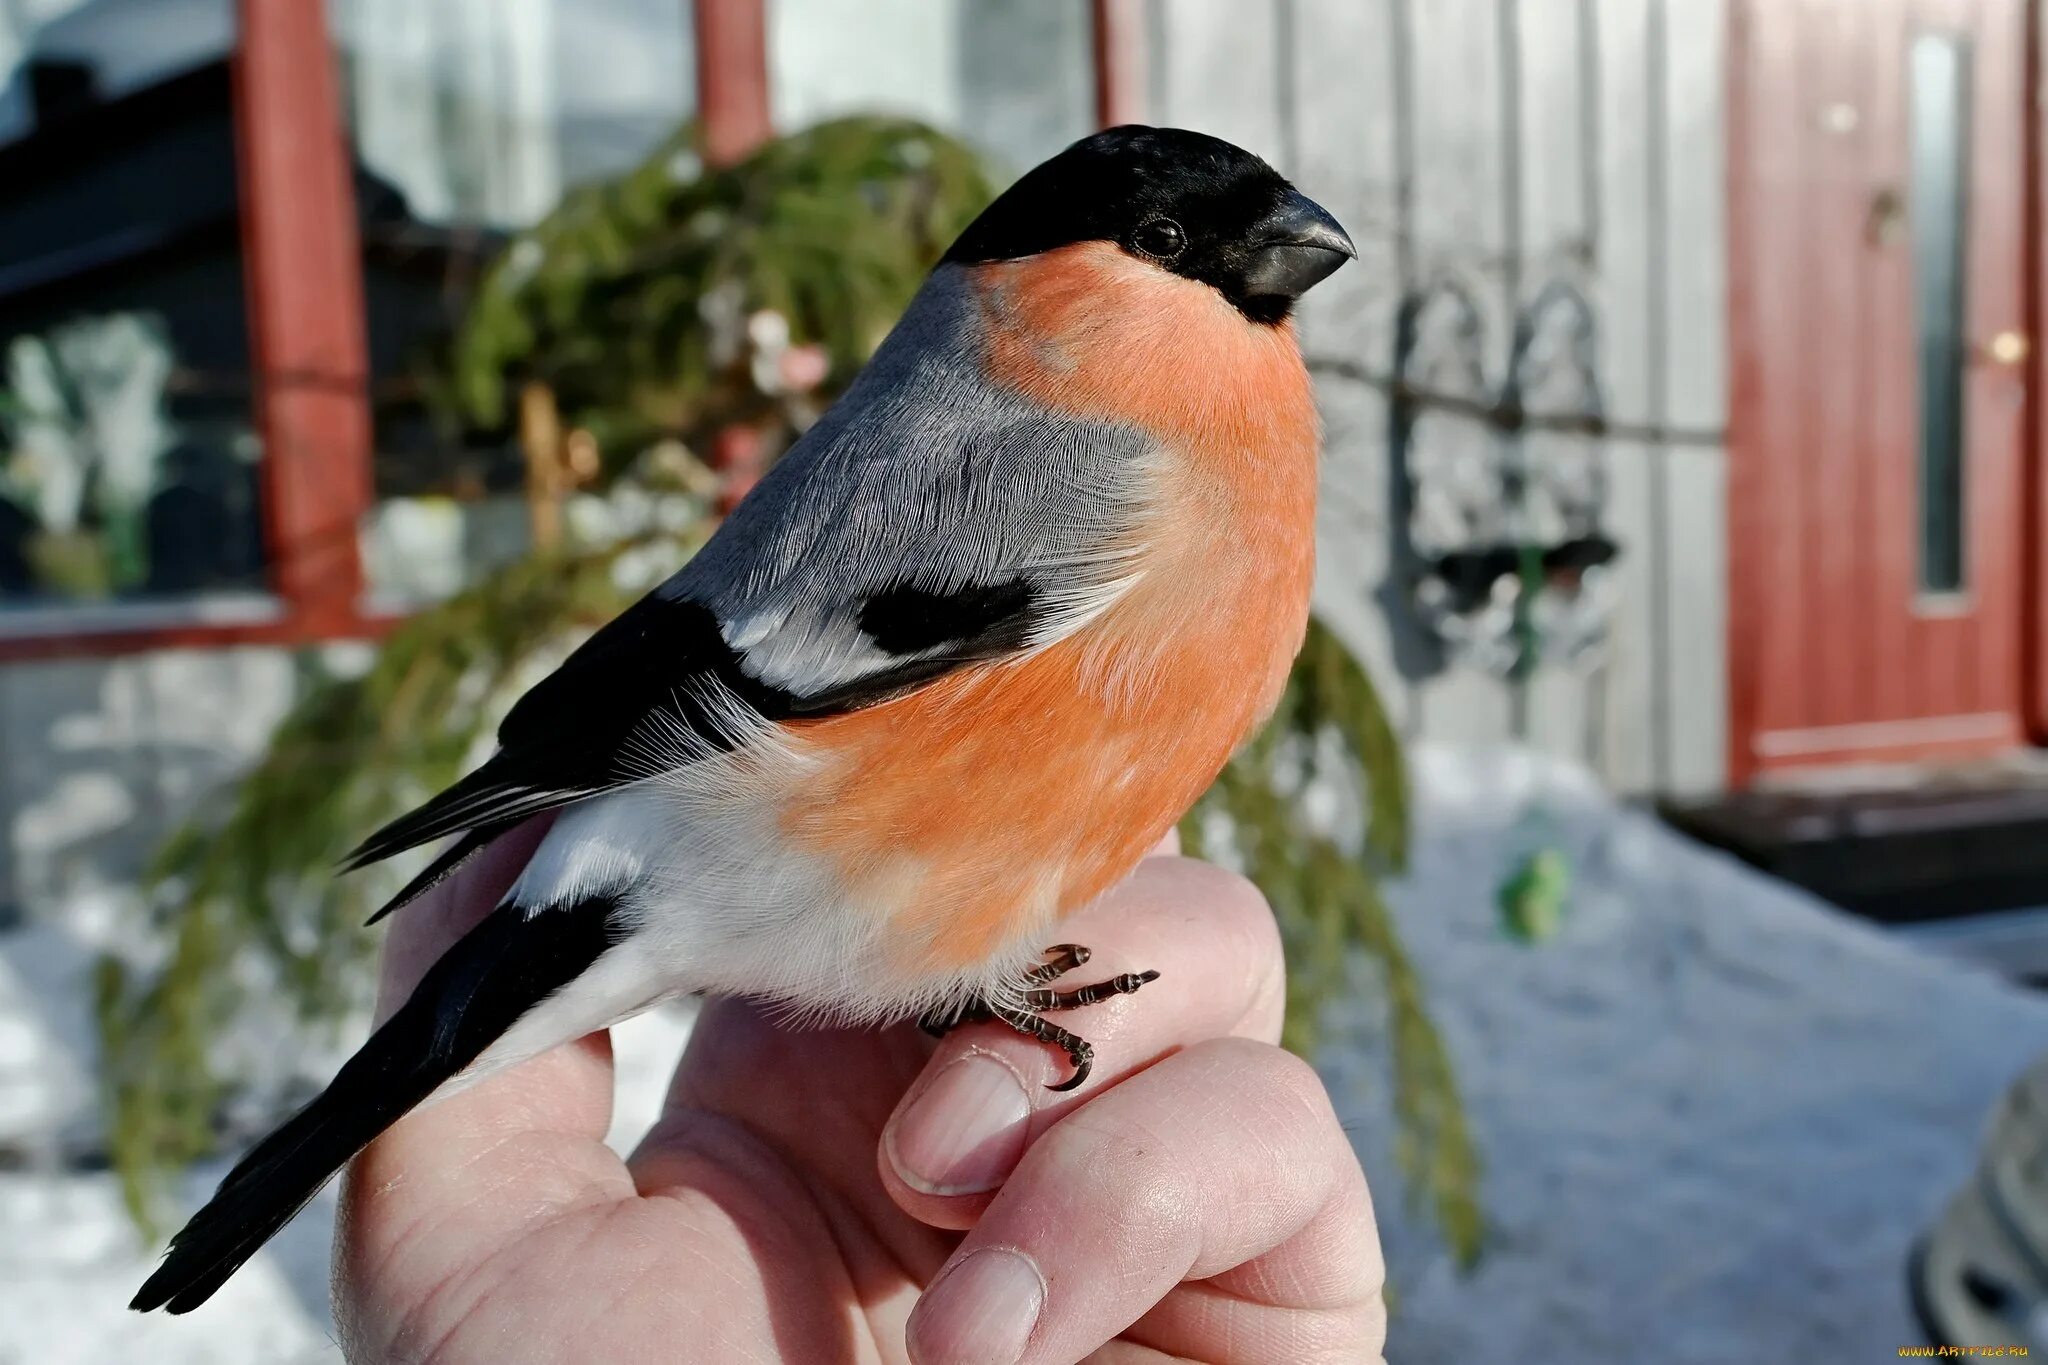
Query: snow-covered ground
(69,1257)
(1714,1113)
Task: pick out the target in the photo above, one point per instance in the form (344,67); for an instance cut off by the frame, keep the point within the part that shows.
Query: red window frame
(302,274)
(1120,74)
(302,263)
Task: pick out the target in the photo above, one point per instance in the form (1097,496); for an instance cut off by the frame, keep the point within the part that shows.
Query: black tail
(496,973)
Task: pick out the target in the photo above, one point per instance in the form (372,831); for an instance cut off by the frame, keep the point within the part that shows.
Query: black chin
(1270,309)
(1296,247)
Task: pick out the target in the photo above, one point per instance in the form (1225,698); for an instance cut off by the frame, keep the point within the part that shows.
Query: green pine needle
(1328,901)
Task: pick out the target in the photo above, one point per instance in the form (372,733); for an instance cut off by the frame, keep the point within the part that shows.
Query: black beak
(1295,247)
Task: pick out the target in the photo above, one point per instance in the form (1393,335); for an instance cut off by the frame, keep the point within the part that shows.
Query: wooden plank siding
(1691,349)
(1550,147)
(1626,263)
(1506,143)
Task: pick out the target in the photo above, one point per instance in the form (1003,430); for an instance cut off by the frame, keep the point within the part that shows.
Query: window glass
(470,119)
(480,113)
(62,51)
(128,465)
(1014,77)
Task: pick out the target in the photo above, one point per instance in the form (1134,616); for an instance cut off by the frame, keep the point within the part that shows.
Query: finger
(984,1095)
(459,1175)
(1224,1164)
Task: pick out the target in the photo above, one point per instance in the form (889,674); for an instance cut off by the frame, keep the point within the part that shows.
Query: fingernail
(980,1312)
(966,1132)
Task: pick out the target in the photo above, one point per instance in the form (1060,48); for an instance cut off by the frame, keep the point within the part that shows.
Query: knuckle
(1293,1082)
(1349,1336)
(1119,1168)
(1269,1071)
(1252,914)
(1238,894)
(1241,908)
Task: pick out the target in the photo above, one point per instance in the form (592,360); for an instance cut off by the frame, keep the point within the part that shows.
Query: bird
(963,656)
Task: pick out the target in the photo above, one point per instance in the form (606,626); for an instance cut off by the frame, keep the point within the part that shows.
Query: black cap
(1194,204)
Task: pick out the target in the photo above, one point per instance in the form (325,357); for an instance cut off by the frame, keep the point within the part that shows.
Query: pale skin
(875,1196)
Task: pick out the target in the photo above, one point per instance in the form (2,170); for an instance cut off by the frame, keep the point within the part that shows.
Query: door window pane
(1939,170)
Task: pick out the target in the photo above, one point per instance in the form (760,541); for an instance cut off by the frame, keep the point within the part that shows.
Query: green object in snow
(1532,899)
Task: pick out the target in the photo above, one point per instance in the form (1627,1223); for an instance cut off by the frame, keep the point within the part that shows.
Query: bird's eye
(1161,239)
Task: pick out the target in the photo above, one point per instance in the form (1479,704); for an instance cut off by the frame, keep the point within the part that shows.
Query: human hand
(805,1194)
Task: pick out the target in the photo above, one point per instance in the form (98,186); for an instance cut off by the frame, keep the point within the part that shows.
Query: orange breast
(981,808)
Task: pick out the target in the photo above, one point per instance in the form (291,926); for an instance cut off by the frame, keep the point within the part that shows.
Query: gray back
(924,475)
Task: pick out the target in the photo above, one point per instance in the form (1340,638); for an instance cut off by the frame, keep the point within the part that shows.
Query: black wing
(571,736)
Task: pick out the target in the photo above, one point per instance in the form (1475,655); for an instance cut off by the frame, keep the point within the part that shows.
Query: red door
(1878,268)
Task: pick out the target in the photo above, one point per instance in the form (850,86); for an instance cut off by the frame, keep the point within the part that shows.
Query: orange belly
(982,808)
(991,803)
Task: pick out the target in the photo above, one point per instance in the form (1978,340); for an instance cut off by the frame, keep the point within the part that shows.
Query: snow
(70,1258)
(1714,1113)
(46,1086)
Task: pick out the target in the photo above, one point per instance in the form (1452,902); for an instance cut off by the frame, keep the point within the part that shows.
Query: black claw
(1061,959)
(1083,1058)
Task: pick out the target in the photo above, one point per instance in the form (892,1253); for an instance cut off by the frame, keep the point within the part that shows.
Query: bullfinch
(965,654)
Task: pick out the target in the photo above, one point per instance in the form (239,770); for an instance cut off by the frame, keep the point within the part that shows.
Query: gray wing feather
(926,476)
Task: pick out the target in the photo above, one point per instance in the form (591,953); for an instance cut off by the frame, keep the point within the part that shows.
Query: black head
(1194,204)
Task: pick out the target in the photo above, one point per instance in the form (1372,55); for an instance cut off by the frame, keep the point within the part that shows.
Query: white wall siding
(1218,69)
(1694,349)
(1506,144)
(1625,268)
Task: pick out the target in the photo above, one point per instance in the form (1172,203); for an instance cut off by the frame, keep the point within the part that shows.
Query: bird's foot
(1040,997)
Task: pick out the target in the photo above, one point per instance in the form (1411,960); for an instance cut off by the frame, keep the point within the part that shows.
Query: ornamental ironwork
(1504,480)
